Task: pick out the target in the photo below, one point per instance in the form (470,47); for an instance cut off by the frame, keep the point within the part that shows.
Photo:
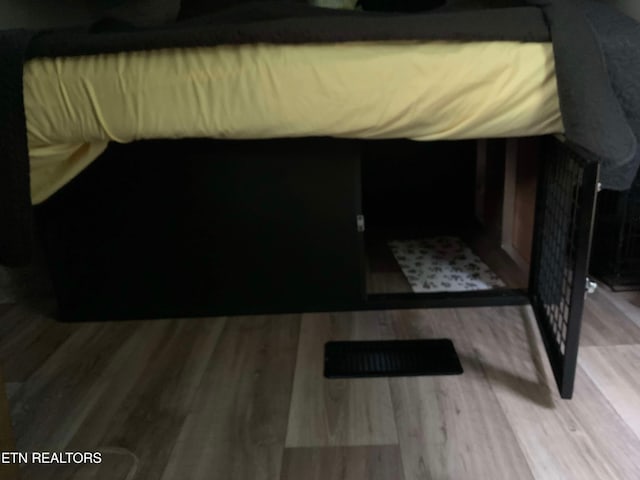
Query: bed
(290,92)
(75,106)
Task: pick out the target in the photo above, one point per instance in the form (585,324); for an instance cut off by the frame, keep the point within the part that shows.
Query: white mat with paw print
(443,264)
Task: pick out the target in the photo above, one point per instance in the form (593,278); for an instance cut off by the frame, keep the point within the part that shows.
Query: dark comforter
(596,50)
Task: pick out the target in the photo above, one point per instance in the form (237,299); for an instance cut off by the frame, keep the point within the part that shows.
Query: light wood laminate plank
(84,387)
(237,424)
(580,439)
(343,463)
(604,323)
(338,412)
(627,302)
(58,397)
(451,426)
(8,471)
(114,465)
(150,393)
(616,372)
(131,389)
(27,329)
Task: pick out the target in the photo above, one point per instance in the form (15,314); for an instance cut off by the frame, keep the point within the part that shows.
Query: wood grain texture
(237,424)
(583,438)
(29,328)
(343,463)
(151,392)
(124,385)
(525,196)
(604,323)
(7,441)
(51,406)
(115,465)
(338,412)
(451,426)
(627,302)
(616,373)
(214,398)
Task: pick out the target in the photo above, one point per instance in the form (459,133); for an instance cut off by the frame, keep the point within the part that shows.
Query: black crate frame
(564,214)
(563,230)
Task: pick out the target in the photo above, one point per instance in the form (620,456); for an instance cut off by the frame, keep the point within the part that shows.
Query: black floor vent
(394,358)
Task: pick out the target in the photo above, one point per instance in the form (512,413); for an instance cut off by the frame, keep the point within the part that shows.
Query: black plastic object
(391,358)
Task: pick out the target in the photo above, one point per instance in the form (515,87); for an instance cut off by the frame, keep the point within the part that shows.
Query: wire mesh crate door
(562,238)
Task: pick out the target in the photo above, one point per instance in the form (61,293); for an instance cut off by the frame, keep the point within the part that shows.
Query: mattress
(421,90)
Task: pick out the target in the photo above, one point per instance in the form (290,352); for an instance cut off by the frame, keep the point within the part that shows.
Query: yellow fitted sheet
(418,90)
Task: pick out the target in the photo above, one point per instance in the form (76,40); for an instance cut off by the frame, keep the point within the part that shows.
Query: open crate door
(567,189)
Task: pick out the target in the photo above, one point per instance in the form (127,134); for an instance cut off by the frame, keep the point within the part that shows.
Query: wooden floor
(244,398)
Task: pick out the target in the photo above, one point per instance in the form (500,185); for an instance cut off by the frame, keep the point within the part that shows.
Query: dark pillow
(197,8)
(141,13)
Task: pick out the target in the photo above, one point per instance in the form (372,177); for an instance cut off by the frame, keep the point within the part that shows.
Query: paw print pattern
(442,264)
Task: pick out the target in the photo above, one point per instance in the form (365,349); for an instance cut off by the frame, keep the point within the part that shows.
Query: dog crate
(616,240)
(248,227)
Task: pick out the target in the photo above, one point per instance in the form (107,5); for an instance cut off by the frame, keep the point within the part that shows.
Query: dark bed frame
(201,227)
